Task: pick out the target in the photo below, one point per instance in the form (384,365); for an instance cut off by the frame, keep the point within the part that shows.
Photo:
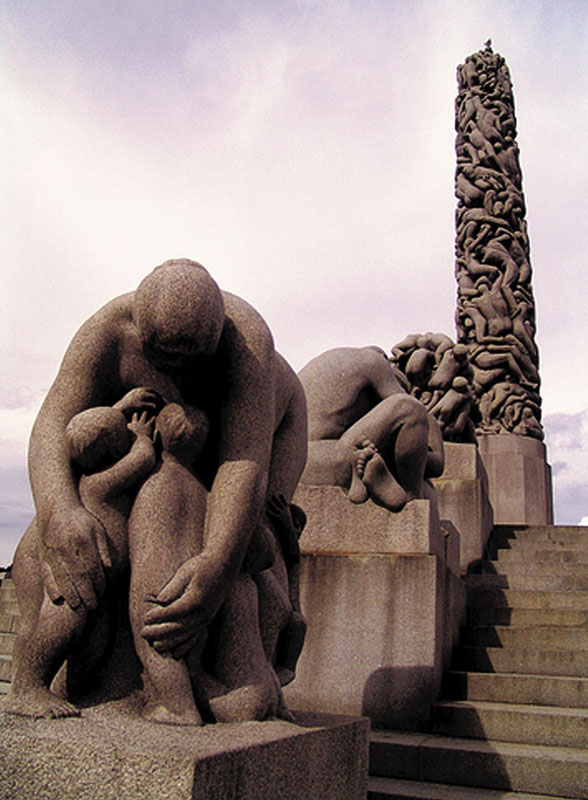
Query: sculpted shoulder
(339,363)
(110,321)
(246,325)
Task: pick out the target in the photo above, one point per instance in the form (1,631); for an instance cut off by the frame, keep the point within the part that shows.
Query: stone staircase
(8,623)
(514,719)
(513,723)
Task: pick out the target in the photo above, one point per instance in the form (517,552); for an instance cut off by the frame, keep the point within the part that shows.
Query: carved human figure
(283,625)
(452,410)
(488,309)
(440,376)
(196,346)
(115,457)
(366,433)
(166,528)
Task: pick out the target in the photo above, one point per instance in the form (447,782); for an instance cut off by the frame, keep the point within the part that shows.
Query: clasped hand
(184,608)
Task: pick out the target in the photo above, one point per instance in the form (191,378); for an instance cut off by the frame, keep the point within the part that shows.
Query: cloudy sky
(303,151)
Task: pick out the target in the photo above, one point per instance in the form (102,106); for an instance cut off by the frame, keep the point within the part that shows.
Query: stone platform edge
(335,525)
(108,754)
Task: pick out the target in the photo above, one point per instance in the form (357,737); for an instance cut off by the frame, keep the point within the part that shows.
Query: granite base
(108,755)
(463,497)
(519,479)
(383,602)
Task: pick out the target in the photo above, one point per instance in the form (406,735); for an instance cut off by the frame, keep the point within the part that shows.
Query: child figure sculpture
(114,457)
(166,533)
(166,529)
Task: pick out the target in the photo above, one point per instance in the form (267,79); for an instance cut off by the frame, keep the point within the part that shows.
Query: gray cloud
(567,446)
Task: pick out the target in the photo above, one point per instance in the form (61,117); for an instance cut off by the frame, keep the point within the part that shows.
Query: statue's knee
(411,410)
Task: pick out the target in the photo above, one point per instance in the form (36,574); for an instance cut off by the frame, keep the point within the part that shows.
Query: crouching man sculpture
(189,472)
(366,433)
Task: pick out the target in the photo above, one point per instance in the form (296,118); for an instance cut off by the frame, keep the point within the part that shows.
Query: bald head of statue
(179,312)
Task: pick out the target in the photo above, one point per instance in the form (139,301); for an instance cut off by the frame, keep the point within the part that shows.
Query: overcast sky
(303,151)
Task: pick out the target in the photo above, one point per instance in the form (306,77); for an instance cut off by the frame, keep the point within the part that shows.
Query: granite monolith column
(495,306)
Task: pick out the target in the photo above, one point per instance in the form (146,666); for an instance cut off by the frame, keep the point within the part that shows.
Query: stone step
(5,667)
(9,607)
(525,617)
(532,567)
(550,536)
(4,686)
(521,660)
(8,622)
(541,555)
(510,722)
(398,789)
(7,642)
(516,767)
(7,589)
(493,596)
(547,583)
(541,636)
(543,690)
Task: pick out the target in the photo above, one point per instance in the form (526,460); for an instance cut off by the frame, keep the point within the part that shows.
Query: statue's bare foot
(39,703)
(358,492)
(155,712)
(379,482)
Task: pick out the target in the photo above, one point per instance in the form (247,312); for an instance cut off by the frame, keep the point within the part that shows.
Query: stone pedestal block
(111,756)
(336,525)
(519,479)
(382,605)
(463,498)
(378,637)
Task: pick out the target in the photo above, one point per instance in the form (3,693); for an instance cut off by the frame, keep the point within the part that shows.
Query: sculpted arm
(137,464)
(72,541)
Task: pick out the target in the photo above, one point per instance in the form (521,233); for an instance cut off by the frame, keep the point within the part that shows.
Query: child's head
(182,431)
(97,438)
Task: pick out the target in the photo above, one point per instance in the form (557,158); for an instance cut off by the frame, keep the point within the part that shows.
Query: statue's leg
(161,540)
(275,607)
(251,690)
(391,442)
(329,464)
(46,635)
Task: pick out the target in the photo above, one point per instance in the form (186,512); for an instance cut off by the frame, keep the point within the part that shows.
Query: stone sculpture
(495,311)
(440,376)
(366,433)
(185,482)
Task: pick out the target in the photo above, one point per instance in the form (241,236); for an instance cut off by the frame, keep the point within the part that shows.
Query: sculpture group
(163,463)
(439,374)
(366,433)
(166,455)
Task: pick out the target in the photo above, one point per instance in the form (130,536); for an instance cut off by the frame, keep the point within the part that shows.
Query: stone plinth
(337,526)
(110,756)
(462,493)
(380,623)
(519,479)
